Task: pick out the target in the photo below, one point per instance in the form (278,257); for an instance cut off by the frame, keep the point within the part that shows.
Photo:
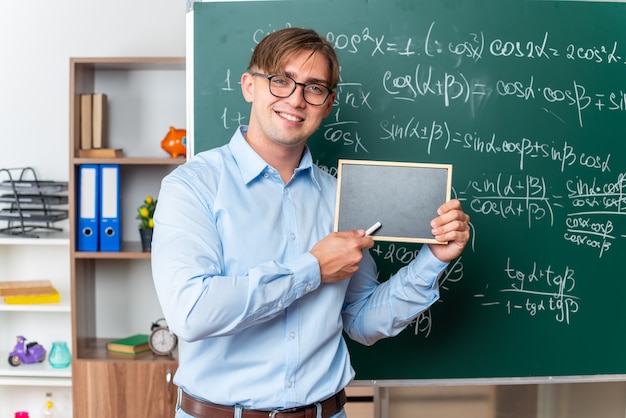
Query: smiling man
(248,273)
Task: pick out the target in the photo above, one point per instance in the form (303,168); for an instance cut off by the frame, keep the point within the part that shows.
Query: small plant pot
(146,239)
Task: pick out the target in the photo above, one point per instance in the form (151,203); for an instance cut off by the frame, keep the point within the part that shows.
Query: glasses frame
(295,86)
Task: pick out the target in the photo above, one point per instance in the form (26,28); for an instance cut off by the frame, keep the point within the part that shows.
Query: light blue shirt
(238,286)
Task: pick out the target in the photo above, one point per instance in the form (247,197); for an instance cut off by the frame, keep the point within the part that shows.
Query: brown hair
(273,50)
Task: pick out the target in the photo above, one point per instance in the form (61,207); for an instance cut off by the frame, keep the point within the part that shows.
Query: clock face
(162,341)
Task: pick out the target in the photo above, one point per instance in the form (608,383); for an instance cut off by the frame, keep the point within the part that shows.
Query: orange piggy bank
(175,142)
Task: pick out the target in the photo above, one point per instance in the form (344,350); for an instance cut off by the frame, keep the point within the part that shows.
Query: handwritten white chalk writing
(511,196)
(537,290)
(531,121)
(594,53)
(453,274)
(564,155)
(472,45)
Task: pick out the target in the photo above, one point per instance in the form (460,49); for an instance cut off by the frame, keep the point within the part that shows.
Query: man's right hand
(339,254)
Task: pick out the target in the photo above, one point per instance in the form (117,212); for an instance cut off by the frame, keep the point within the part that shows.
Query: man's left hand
(451,225)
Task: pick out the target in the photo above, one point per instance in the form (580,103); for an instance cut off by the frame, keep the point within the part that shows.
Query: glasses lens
(315,94)
(282,86)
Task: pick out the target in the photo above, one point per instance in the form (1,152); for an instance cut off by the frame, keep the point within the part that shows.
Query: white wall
(37,39)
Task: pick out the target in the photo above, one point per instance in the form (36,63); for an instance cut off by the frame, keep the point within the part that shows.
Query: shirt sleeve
(374,310)
(196,296)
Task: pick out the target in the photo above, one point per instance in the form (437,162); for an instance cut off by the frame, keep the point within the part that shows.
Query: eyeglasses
(283,86)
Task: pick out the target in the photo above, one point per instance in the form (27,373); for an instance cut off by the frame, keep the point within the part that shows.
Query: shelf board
(131,161)
(131,250)
(50,238)
(131,63)
(40,374)
(63,307)
(36,381)
(95,349)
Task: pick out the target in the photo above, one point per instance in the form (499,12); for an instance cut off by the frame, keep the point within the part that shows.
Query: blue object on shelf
(59,356)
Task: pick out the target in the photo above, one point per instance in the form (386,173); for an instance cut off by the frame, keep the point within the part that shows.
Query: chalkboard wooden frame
(403,196)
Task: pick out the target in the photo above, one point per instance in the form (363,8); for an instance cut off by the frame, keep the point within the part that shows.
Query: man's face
(288,121)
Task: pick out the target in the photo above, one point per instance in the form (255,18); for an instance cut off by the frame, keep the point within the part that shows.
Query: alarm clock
(161,341)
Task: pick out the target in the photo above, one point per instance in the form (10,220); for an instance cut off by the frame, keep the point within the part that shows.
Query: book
(101,153)
(86,141)
(99,120)
(134,344)
(26,288)
(54,297)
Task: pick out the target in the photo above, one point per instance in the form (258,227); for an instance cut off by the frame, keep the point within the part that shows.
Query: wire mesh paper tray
(29,202)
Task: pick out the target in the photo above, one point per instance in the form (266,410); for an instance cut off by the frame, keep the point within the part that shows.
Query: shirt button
(308,288)
(292,334)
(280,305)
(289,384)
(292,236)
(266,175)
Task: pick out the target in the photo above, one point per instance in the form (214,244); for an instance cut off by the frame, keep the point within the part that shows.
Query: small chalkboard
(403,197)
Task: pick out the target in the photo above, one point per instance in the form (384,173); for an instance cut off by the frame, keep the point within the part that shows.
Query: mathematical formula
(553,182)
(537,290)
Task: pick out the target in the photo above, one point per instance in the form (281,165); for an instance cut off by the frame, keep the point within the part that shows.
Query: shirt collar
(251,165)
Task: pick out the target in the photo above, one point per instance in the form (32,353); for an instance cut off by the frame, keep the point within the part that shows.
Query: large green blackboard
(527,100)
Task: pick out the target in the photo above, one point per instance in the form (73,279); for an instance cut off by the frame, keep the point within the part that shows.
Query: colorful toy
(26,353)
(175,142)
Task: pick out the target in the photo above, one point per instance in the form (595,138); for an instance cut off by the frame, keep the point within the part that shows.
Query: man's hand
(451,225)
(339,254)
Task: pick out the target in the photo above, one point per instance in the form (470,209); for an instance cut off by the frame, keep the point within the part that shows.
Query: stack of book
(93,127)
(133,345)
(29,292)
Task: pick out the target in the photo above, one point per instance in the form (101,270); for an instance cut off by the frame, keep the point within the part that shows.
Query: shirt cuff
(426,267)
(306,269)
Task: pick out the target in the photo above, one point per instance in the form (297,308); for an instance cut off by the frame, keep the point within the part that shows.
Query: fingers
(451,225)
(450,205)
(364,241)
(449,212)
(339,254)
(452,231)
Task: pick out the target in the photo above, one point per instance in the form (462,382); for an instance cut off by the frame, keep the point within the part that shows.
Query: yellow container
(54,297)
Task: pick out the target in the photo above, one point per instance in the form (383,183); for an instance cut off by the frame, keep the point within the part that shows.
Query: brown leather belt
(202,409)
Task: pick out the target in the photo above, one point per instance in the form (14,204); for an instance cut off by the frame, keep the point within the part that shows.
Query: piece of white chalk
(373,228)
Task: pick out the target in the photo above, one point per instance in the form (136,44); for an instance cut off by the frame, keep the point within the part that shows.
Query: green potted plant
(145,214)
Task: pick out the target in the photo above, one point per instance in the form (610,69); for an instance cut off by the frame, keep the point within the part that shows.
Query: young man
(249,275)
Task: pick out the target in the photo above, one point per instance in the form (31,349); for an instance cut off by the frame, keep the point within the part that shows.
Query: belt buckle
(274,412)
